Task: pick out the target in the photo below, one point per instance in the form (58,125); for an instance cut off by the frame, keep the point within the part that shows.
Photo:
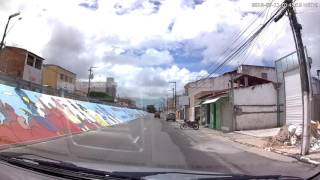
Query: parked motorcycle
(190,124)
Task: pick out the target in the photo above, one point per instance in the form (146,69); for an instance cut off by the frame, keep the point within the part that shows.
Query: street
(156,143)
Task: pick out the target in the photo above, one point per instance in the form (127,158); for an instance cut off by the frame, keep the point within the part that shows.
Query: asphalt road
(156,143)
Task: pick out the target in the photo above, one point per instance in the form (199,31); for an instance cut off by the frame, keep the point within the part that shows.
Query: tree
(101,96)
(151,109)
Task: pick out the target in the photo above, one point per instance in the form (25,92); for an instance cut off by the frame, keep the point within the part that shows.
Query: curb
(300,158)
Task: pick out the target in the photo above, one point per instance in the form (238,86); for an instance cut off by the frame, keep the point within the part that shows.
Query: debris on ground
(315,136)
(291,135)
(287,136)
(280,138)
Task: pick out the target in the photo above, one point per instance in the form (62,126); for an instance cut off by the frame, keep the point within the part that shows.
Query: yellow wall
(50,76)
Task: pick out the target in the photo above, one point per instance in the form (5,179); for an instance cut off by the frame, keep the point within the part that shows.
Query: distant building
(21,64)
(58,77)
(214,85)
(111,87)
(94,86)
(126,102)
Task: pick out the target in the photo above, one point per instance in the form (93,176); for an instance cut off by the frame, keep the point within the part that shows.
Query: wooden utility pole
(90,77)
(296,30)
(174,95)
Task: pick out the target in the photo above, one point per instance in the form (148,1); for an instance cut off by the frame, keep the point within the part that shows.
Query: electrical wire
(247,42)
(244,46)
(238,36)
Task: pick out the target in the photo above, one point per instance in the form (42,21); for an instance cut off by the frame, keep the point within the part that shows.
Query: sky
(145,44)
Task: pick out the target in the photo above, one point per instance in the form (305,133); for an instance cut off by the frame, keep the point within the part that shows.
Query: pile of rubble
(291,136)
(287,135)
(315,136)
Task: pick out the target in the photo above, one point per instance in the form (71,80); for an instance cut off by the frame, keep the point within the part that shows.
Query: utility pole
(296,30)
(174,95)
(90,77)
(234,124)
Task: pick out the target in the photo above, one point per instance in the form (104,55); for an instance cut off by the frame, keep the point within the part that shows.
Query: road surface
(156,143)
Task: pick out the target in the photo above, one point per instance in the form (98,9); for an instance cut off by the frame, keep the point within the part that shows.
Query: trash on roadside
(291,135)
(315,136)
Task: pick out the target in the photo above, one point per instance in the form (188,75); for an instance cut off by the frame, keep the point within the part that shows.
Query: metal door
(293,97)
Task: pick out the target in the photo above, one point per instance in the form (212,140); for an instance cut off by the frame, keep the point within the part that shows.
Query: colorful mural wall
(27,115)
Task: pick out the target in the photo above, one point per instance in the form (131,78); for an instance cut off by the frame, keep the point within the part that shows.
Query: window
(61,76)
(264,75)
(66,78)
(70,80)
(38,64)
(30,60)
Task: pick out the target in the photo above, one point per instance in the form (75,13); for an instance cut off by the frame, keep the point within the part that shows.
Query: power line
(237,37)
(241,33)
(241,48)
(247,43)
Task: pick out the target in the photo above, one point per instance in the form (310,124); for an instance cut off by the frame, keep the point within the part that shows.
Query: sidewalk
(262,139)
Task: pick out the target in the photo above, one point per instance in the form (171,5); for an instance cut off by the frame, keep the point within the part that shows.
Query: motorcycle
(190,124)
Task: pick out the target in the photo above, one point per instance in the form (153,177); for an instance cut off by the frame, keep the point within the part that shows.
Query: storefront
(213,112)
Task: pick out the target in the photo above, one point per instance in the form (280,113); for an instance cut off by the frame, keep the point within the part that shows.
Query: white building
(111,87)
(221,83)
(94,86)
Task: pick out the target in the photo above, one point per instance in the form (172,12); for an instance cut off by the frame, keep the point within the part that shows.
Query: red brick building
(21,64)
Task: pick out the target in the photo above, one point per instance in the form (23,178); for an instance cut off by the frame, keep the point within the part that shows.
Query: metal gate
(293,94)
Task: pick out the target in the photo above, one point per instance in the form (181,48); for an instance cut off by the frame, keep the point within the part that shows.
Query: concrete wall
(255,107)
(256,121)
(258,70)
(32,74)
(264,94)
(27,116)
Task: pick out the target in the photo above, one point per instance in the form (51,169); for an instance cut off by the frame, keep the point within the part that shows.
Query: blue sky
(145,44)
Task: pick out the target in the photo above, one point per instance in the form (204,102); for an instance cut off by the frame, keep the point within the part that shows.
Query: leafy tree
(101,96)
(151,109)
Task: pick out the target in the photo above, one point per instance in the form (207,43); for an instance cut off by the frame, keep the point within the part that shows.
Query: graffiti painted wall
(27,115)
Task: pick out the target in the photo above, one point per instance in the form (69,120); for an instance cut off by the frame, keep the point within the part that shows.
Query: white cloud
(148,82)
(150,57)
(76,37)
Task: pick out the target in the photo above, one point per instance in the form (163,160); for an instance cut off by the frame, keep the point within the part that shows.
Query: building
(182,101)
(170,104)
(290,98)
(82,86)
(111,87)
(315,110)
(126,102)
(21,64)
(250,104)
(58,77)
(315,84)
(215,85)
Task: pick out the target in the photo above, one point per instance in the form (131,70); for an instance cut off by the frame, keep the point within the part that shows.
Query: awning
(212,100)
